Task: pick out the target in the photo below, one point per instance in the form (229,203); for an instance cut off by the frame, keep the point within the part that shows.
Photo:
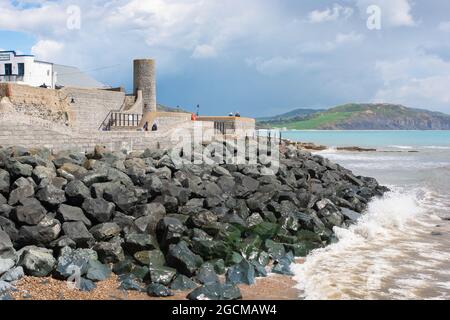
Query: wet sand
(274,287)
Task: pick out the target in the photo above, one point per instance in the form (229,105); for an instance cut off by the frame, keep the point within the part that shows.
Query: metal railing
(11,78)
(120,120)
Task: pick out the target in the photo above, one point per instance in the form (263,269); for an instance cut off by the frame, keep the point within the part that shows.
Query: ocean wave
(370,252)
(437,147)
(401,147)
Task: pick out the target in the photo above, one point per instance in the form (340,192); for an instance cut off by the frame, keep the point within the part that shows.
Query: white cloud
(47,49)
(444,26)
(330,14)
(204,51)
(329,46)
(273,66)
(418,81)
(394,13)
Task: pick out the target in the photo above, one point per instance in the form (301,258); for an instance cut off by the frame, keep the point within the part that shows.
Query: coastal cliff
(163,227)
(362,117)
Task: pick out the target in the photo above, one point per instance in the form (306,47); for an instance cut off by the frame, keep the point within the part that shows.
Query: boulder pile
(161,226)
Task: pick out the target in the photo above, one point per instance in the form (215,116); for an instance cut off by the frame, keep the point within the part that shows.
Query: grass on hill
(317,121)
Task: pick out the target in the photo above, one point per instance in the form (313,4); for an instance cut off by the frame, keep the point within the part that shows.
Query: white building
(24,69)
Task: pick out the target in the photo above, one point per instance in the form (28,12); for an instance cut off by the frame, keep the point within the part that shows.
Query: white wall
(36,72)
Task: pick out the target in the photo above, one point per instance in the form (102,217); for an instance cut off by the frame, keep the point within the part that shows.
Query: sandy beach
(274,287)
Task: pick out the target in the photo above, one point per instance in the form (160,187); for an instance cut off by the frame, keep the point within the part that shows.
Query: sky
(256,57)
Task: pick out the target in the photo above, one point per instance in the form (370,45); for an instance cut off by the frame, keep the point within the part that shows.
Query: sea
(400,248)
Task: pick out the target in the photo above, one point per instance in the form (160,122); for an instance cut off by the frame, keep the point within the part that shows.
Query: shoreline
(272,287)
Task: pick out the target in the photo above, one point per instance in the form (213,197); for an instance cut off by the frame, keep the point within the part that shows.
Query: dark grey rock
(6,265)
(162,275)
(46,231)
(68,213)
(6,246)
(31,212)
(72,261)
(36,262)
(87,285)
(78,232)
(150,258)
(183,259)
(131,282)
(98,210)
(12,275)
(139,242)
(77,192)
(19,194)
(51,196)
(97,271)
(158,290)
(4,181)
(244,272)
(183,283)
(206,274)
(105,231)
(169,231)
(109,252)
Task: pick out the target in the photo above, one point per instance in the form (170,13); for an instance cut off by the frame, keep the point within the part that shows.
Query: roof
(67,76)
(15,54)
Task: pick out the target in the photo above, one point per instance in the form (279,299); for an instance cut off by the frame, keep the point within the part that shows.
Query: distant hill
(368,117)
(291,116)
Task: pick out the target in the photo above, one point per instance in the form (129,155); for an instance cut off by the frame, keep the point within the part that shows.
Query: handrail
(120,119)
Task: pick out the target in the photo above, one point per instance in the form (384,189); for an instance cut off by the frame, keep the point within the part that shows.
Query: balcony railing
(116,119)
(10,78)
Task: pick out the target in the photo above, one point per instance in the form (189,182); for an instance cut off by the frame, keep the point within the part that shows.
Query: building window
(48,72)
(8,69)
(21,67)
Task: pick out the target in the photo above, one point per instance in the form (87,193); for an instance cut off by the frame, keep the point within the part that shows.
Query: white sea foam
(401,147)
(358,265)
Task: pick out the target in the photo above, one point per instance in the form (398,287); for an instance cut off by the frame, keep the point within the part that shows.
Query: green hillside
(367,117)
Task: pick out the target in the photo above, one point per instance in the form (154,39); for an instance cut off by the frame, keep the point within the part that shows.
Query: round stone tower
(145,80)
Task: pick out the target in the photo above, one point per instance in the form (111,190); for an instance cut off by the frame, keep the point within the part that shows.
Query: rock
(182,283)
(5,265)
(153,184)
(77,192)
(123,267)
(5,288)
(68,213)
(139,242)
(216,291)
(152,258)
(78,232)
(169,231)
(210,249)
(4,181)
(131,282)
(244,273)
(245,186)
(72,261)
(36,262)
(105,231)
(329,212)
(97,271)
(3,200)
(42,234)
(62,242)
(162,275)
(12,275)
(283,266)
(219,266)
(109,252)
(87,285)
(98,210)
(5,210)
(274,249)
(31,212)
(6,247)
(158,290)
(254,220)
(141,272)
(206,274)
(41,173)
(148,216)
(19,194)
(183,259)
(350,214)
(201,219)
(51,196)
(265,230)
(17,169)
(94,177)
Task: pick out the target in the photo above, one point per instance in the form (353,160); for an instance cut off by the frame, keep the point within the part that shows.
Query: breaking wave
(384,255)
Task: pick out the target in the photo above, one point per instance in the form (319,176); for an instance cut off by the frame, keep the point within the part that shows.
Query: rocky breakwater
(161,226)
